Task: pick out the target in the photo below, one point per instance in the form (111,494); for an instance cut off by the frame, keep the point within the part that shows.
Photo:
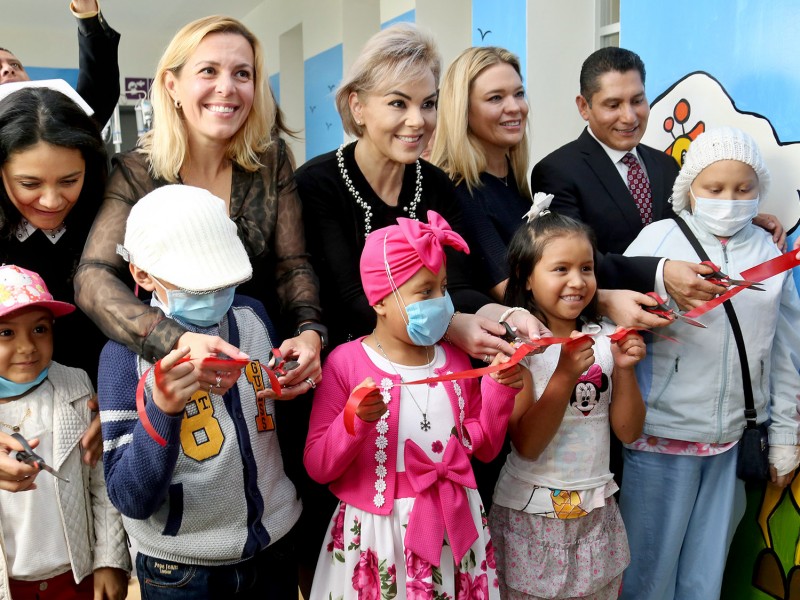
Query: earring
(178,104)
(359,123)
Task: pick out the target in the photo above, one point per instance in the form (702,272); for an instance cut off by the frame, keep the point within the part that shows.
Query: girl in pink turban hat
(410,443)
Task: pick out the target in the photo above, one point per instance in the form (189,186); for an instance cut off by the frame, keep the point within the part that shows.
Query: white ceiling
(153,15)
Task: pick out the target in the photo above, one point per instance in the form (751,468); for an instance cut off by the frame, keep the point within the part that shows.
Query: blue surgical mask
(11,389)
(428,319)
(203,310)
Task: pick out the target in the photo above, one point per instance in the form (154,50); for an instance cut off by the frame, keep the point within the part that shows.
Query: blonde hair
(398,53)
(456,149)
(166,145)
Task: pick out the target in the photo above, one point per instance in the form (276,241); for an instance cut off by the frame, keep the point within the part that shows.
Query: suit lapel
(610,179)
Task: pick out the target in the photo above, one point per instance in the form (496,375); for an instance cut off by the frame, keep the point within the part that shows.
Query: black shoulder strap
(750,413)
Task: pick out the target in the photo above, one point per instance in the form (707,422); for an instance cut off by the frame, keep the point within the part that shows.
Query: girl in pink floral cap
(60,532)
(386,445)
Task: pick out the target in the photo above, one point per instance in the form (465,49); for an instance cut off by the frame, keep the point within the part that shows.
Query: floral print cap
(20,288)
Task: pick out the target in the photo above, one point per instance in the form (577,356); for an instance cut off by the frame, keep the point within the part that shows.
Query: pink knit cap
(402,250)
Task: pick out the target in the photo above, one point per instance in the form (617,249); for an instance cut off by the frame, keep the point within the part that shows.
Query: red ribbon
(441,502)
(714,302)
(358,395)
(208,362)
(353,402)
(776,265)
(759,273)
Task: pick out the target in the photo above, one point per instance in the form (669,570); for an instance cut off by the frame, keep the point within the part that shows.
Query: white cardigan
(101,543)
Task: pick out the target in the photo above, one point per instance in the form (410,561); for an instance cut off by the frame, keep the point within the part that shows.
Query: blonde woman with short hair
(388,102)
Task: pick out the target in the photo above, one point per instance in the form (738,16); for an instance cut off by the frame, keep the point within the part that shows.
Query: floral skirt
(539,557)
(364,558)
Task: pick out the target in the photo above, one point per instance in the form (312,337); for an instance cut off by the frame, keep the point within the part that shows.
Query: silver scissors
(28,456)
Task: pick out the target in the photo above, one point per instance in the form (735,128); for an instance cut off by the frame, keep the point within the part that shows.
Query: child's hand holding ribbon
(372,407)
(512,377)
(628,349)
(176,380)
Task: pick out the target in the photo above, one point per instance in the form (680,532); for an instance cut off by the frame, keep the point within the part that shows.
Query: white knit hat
(183,235)
(722,143)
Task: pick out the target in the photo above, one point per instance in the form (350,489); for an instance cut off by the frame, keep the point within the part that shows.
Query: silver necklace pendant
(425,425)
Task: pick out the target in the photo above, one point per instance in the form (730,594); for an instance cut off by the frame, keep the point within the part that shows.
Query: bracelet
(450,322)
(511,311)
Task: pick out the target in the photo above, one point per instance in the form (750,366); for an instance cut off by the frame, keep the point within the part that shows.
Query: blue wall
(501,24)
(750,46)
(275,84)
(68,75)
(323,73)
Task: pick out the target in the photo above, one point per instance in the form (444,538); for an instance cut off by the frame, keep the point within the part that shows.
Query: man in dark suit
(591,179)
(98,48)
(588,176)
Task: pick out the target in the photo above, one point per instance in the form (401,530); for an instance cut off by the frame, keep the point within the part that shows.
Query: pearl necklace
(425,424)
(411,209)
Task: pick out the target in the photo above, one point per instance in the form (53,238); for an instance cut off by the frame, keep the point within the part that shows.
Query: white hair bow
(541,205)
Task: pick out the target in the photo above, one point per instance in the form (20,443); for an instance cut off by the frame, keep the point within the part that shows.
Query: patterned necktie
(639,186)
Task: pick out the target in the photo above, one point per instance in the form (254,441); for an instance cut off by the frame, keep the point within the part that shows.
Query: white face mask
(723,218)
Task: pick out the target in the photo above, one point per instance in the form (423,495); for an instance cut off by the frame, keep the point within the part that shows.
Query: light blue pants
(680,513)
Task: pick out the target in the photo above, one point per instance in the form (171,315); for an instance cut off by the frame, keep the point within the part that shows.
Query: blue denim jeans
(271,574)
(680,513)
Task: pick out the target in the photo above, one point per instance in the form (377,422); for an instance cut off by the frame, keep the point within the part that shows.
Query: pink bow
(593,375)
(429,239)
(441,502)
(403,249)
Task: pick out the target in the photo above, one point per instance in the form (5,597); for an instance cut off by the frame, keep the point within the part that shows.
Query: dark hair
(526,249)
(37,114)
(604,61)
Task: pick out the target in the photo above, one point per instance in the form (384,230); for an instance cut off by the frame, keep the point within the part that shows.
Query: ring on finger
(219,381)
(487,358)
(310,382)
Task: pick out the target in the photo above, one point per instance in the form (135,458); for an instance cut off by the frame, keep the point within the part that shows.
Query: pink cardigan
(350,463)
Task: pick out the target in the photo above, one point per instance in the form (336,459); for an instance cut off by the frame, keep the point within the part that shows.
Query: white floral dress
(364,556)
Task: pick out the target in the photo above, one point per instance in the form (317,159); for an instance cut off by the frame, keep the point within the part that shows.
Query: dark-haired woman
(53,165)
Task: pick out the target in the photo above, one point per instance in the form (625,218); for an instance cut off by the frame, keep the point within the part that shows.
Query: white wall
(560,36)
(394,8)
(450,21)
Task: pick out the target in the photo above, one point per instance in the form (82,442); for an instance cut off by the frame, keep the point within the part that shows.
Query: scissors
(665,312)
(513,338)
(28,456)
(275,361)
(717,277)
(280,365)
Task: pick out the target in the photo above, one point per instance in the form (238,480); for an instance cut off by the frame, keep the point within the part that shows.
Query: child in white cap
(60,536)
(211,508)
(681,500)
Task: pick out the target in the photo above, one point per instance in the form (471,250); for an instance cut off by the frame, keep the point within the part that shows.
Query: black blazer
(588,187)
